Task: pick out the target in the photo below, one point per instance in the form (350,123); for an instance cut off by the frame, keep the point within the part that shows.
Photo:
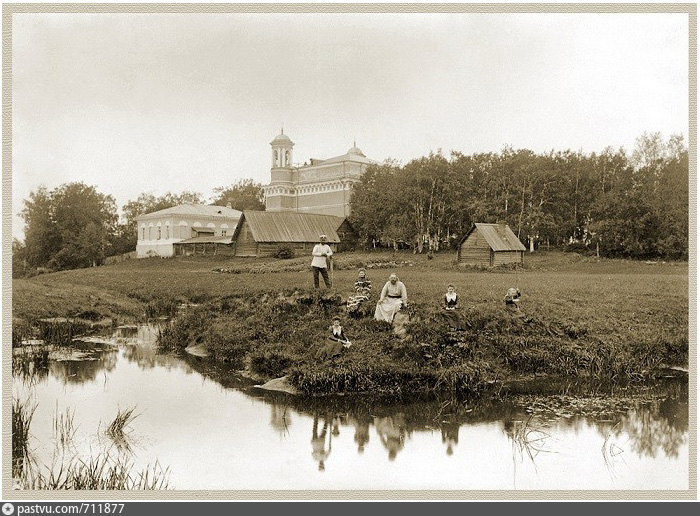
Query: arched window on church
(277,158)
(286,158)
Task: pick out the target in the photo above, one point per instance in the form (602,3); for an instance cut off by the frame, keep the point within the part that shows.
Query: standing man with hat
(322,253)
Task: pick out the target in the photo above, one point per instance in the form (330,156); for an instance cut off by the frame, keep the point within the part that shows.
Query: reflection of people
(319,264)
(450,435)
(451,298)
(361,433)
(363,289)
(392,433)
(391,300)
(335,343)
(279,419)
(318,444)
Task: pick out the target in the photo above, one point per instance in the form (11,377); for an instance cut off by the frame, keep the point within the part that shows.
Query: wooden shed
(264,233)
(490,245)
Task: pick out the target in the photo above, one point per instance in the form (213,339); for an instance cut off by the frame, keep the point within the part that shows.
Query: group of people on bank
(392,298)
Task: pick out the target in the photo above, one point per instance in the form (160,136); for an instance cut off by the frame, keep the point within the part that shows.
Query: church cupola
(282,151)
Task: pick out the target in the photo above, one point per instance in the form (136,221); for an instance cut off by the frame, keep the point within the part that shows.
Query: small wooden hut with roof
(264,233)
(490,245)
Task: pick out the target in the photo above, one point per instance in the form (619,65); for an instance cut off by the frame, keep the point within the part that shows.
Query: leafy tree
(245,194)
(148,203)
(633,205)
(68,227)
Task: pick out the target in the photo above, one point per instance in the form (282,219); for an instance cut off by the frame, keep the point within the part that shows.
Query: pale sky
(136,103)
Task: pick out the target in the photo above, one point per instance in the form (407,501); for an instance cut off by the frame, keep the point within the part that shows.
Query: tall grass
(30,363)
(61,332)
(101,472)
(22,414)
(122,420)
(64,428)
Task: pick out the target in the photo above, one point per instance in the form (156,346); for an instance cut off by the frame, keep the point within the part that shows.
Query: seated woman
(512,298)
(363,289)
(391,300)
(335,342)
(451,298)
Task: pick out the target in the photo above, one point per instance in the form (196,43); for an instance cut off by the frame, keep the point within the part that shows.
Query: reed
(31,363)
(124,418)
(101,472)
(64,428)
(22,414)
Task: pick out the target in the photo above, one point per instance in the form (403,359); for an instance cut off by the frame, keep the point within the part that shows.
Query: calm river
(214,432)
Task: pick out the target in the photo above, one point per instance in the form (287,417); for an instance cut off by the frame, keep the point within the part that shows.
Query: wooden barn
(490,245)
(264,233)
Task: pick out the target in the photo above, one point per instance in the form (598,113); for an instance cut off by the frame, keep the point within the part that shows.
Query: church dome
(281,138)
(355,150)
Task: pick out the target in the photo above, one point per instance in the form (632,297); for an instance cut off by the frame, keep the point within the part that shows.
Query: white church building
(321,186)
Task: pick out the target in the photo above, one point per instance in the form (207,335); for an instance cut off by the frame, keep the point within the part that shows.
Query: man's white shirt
(320,261)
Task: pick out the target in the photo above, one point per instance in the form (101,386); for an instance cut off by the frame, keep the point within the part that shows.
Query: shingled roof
(268,226)
(201,210)
(499,237)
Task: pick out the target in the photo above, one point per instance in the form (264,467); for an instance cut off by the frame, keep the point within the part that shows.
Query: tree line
(632,205)
(75,225)
(618,204)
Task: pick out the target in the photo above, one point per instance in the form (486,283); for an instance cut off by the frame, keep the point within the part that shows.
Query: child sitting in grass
(335,342)
(451,298)
(512,298)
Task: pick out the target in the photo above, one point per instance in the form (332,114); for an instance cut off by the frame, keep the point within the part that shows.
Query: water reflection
(450,435)
(215,431)
(392,433)
(320,451)
(361,424)
(84,366)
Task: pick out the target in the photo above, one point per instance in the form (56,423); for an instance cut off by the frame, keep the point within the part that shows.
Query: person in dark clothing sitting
(335,342)
(451,298)
(512,298)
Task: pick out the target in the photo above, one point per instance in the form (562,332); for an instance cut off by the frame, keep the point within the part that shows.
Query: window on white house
(143,233)
(158,233)
(167,232)
(223,232)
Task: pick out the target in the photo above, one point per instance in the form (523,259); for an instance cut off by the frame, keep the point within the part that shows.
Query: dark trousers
(324,273)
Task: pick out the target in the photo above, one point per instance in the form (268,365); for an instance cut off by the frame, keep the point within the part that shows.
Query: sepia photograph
(338,252)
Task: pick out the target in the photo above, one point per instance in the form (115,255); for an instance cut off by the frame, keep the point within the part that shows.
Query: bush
(284,253)
(271,363)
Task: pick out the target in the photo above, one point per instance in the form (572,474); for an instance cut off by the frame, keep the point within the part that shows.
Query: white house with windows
(158,231)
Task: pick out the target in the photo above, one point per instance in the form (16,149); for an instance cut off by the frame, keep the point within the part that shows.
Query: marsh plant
(103,471)
(117,430)
(30,363)
(67,470)
(22,414)
(64,428)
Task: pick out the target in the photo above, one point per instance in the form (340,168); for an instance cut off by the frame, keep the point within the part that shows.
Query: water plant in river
(103,471)
(115,430)
(30,363)
(61,331)
(22,414)
(64,428)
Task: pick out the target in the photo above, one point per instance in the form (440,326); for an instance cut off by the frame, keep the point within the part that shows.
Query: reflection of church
(318,186)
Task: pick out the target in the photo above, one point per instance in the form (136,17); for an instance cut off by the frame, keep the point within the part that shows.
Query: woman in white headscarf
(391,300)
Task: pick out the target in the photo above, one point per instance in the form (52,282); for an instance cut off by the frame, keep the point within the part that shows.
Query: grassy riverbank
(580,316)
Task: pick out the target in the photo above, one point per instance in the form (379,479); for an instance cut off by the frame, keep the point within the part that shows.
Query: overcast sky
(166,102)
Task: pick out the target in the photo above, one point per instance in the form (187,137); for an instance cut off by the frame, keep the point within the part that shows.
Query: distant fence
(110,260)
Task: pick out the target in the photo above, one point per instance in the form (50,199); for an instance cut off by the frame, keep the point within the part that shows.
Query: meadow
(579,316)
